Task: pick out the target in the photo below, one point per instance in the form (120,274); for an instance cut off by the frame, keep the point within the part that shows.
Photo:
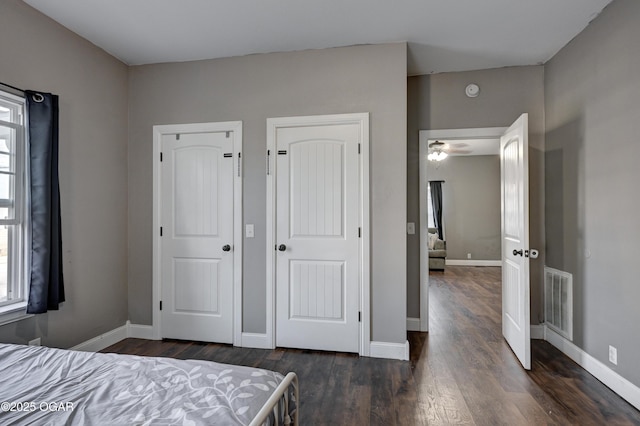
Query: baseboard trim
(103,341)
(537,332)
(617,383)
(390,350)
(472,262)
(413,324)
(256,340)
(139,331)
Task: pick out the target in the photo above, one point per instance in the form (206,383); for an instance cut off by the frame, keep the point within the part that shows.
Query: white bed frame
(271,406)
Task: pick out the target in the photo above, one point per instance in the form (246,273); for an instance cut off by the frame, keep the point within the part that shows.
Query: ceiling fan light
(437,155)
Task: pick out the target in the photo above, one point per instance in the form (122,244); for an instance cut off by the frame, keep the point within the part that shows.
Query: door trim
(158,131)
(273,124)
(423,144)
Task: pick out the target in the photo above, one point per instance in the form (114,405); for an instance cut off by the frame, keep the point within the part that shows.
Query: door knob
(226,247)
(282,247)
(517,252)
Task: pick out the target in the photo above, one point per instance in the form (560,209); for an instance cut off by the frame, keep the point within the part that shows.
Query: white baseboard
(537,332)
(599,370)
(390,350)
(256,340)
(103,341)
(413,324)
(139,331)
(472,262)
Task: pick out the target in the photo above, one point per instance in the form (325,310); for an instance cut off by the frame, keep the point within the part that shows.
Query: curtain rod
(13,87)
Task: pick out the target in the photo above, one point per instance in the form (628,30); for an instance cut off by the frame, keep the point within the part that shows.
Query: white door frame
(362,119)
(423,141)
(171,129)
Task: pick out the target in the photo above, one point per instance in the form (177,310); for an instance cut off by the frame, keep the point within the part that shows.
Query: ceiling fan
(438,151)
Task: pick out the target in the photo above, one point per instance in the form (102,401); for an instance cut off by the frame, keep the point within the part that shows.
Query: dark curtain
(47,284)
(436,202)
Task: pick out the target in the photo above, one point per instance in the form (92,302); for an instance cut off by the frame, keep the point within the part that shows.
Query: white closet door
(197,237)
(317,237)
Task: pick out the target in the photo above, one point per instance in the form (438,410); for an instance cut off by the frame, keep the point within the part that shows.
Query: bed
(42,386)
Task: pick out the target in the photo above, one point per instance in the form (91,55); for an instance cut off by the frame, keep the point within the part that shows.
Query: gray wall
(40,54)
(471,205)
(438,102)
(252,89)
(592,92)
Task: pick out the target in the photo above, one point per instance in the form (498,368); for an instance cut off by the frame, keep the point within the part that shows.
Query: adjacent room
(362,213)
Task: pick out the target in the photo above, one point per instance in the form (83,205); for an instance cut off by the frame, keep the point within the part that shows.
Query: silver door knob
(226,247)
(282,247)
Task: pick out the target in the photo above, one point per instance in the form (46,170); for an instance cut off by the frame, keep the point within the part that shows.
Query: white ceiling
(443,35)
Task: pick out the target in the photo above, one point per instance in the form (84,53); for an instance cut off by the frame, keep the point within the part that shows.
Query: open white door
(515,239)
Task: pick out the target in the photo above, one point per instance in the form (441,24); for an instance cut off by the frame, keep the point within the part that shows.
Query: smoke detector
(472,90)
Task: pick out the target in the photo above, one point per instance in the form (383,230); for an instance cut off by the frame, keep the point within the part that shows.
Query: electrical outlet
(468,255)
(249,231)
(35,342)
(613,355)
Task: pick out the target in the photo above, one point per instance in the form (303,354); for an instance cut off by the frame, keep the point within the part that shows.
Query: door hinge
(268,162)
(161,157)
(161,231)
(239,158)
(358,148)
(161,305)
(228,135)
(359,316)
(359,232)
(177,136)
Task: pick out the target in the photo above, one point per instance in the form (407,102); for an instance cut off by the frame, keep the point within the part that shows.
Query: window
(13,212)
(430,215)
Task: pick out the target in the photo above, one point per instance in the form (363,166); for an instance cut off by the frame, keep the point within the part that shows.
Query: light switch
(411,228)
(249,230)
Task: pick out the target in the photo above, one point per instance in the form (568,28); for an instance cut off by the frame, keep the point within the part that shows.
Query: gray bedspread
(45,386)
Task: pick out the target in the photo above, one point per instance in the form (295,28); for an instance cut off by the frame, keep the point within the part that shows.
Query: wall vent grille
(558,301)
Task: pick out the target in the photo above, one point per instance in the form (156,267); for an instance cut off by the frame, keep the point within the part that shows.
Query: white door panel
(515,239)
(197,220)
(317,228)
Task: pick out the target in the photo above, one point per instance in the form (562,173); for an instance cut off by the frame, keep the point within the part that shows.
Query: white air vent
(558,301)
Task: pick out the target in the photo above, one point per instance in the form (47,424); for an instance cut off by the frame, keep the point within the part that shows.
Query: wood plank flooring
(461,372)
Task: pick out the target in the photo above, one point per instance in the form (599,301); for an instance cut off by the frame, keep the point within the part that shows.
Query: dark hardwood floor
(461,372)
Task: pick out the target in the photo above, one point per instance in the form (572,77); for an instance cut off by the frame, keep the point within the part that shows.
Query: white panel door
(515,239)
(197,237)
(317,237)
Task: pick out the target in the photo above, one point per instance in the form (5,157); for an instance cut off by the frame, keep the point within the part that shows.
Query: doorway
(425,136)
(514,228)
